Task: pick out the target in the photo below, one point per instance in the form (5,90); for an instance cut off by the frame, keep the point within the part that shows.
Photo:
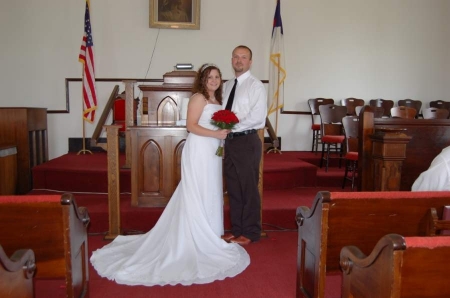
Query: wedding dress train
(184,247)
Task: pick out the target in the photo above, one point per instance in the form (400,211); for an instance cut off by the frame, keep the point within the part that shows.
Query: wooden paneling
(26,128)
(8,169)
(155,163)
(160,103)
(427,139)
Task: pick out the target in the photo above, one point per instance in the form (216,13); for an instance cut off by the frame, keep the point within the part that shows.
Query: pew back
(55,229)
(339,219)
(398,267)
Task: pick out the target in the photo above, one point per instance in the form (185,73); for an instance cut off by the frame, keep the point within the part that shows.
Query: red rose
(224,119)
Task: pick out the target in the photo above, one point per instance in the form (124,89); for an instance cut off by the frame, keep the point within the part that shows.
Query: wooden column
(388,154)
(112,135)
(129,119)
(8,169)
(261,174)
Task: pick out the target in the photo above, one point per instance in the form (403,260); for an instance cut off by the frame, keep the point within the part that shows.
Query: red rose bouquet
(224,119)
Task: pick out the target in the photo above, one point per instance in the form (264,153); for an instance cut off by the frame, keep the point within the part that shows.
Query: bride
(184,247)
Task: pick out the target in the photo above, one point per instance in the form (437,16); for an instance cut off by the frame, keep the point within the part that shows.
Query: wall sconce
(184,66)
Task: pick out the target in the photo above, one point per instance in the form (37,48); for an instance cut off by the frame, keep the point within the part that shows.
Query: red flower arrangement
(224,119)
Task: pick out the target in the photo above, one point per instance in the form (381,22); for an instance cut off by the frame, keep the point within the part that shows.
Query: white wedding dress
(184,247)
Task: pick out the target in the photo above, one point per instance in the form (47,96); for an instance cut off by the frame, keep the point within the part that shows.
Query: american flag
(277,71)
(87,58)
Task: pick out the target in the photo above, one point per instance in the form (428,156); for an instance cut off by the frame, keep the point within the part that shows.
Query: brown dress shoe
(227,237)
(241,240)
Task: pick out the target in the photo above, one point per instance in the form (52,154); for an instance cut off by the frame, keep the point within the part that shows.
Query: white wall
(391,49)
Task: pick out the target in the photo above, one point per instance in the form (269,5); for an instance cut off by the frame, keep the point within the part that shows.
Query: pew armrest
(373,273)
(311,253)
(397,267)
(80,212)
(16,273)
(435,225)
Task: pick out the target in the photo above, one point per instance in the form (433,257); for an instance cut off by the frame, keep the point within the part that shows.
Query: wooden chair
(351,103)
(314,104)
(403,112)
(410,103)
(386,104)
(378,112)
(350,124)
(16,274)
(440,104)
(331,128)
(435,113)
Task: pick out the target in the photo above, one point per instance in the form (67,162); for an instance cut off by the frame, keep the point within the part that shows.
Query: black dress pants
(241,170)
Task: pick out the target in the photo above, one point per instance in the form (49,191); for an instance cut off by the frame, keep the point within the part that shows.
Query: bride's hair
(201,79)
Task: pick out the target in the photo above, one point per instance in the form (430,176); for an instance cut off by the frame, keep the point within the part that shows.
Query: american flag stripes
(87,58)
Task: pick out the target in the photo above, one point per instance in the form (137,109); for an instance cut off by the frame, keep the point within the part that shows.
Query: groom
(246,96)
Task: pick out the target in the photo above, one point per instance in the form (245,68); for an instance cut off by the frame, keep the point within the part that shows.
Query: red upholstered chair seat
(332,134)
(352,156)
(333,139)
(314,104)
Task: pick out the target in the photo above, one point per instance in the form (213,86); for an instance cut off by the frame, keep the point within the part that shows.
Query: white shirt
(250,102)
(437,177)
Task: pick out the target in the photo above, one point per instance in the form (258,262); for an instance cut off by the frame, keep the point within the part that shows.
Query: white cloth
(437,177)
(185,246)
(250,102)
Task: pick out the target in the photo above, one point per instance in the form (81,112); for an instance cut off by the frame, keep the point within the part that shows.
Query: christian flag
(87,58)
(277,72)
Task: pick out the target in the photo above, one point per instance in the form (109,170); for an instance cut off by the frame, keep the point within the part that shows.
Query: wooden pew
(438,225)
(55,229)
(338,219)
(397,267)
(428,138)
(16,274)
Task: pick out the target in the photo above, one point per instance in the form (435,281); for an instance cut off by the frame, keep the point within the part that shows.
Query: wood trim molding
(68,80)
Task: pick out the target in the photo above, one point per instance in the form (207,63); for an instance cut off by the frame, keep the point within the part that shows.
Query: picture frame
(175,14)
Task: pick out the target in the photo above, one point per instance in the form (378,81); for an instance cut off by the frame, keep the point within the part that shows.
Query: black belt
(241,133)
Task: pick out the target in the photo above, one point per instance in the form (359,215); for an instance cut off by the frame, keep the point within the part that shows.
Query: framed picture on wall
(175,14)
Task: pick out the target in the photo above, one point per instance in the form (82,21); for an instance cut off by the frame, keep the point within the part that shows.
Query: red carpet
(88,173)
(289,182)
(79,173)
(291,179)
(273,260)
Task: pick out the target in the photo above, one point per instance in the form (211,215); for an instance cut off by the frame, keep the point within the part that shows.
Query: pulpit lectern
(157,143)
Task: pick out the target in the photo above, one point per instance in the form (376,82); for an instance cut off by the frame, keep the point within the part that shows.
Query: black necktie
(231,97)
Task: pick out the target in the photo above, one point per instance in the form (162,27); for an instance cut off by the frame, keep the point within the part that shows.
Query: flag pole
(83,150)
(275,149)
(278,97)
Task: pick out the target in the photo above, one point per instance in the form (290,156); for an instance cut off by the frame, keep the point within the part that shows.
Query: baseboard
(76,144)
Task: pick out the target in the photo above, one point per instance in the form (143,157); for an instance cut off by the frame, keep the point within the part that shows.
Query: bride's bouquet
(223,119)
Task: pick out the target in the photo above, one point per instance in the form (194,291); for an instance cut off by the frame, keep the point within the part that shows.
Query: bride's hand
(222,133)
